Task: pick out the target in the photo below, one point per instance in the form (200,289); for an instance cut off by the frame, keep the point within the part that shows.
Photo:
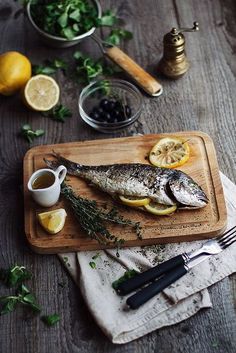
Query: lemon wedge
(133,201)
(53,221)
(160,209)
(41,93)
(169,152)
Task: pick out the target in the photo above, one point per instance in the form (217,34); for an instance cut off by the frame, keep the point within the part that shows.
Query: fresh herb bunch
(93,219)
(68,18)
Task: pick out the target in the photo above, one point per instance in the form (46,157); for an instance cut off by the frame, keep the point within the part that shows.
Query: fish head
(186,191)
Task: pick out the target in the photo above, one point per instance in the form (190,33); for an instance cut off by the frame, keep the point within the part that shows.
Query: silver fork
(170,271)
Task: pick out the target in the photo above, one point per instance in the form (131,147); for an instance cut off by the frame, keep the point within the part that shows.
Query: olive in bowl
(110,105)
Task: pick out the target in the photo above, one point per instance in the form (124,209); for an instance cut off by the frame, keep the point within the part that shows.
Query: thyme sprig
(93,219)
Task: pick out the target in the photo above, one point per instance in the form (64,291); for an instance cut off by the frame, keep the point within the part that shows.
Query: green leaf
(63,20)
(68,32)
(59,113)
(22,290)
(51,320)
(49,67)
(29,298)
(59,64)
(92,264)
(75,15)
(96,256)
(29,134)
(39,132)
(26,127)
(117,34)
(45,70)
(9,306)
(14,276)
(108,19)
(128,274)
(78,55)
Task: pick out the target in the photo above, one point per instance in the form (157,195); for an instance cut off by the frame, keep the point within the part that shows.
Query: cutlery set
(157,278)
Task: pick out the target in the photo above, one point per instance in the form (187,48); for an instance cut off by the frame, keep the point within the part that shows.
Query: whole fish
(163,185)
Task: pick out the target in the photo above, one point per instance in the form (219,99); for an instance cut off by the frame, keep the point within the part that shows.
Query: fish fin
(72,167)
(51,164)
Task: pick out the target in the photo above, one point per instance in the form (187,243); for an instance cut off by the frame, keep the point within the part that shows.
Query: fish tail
(72,167)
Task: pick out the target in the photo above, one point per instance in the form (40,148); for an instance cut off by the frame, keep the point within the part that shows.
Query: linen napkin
(176,303)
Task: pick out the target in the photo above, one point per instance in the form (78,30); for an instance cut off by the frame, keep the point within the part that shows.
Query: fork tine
(227,238)
(226,234)
(224,246)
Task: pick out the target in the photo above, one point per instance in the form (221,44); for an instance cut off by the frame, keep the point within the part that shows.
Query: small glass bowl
(113,90)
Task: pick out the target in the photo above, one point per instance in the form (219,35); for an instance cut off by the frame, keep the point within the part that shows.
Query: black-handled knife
(145,277)
(169,277)
(156,287)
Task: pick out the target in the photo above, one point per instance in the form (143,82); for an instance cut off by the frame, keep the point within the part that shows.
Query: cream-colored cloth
(178,302)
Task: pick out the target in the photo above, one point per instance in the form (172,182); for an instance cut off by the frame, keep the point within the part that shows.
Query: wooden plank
(184,225)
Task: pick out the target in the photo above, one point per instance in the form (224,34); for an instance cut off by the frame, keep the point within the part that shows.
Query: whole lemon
(15,71)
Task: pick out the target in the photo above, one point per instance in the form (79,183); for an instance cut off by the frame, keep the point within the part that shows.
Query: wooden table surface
(204,99)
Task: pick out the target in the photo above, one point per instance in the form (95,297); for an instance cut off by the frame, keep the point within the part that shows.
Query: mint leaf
(59,113)
(128,274)
(51,320)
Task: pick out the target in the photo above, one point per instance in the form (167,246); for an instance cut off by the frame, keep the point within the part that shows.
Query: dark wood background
(204,99)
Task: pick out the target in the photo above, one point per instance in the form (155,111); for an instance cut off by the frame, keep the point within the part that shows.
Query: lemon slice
(41,93)
(169,152)
(160,209)
(134,201)
(53,221)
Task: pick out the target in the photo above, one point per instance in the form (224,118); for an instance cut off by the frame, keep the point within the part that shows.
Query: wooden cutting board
(183,225)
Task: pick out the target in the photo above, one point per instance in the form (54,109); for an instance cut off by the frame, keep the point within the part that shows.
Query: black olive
(107,117)
(104,103)
(116,113)
(94,115)
(110,106)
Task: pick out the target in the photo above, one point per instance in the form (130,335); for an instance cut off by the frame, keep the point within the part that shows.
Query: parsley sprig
(49,67)
(14,276)
(29,134)
(22,296)
(59,113)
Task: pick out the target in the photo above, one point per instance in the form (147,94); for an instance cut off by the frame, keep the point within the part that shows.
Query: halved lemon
(169,152)
(41,93)
(134,201)
(160,209)
(53,221)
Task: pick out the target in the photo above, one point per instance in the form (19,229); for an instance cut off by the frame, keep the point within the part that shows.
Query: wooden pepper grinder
(174,63)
